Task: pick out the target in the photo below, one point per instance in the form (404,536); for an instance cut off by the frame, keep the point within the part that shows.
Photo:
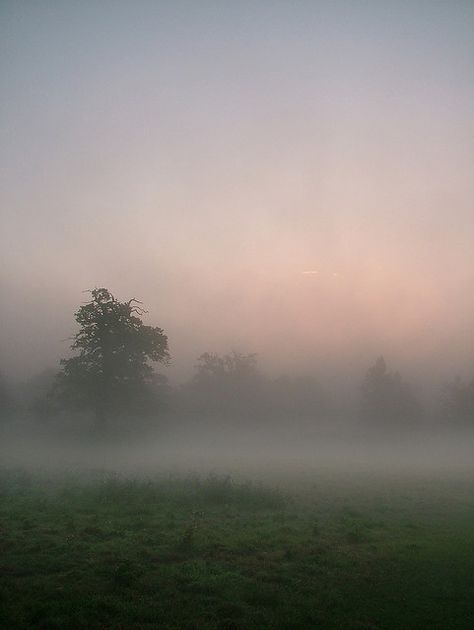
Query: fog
(284,458)
(236,314)
(294,182)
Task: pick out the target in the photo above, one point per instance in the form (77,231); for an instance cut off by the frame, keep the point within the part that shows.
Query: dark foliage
(112,370)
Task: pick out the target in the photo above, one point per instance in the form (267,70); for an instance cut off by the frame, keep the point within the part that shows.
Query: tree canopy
(224,384)
(229,367)
(111,369)
(386,399)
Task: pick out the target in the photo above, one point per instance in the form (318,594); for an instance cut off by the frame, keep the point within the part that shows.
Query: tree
(112,369)
(230,367)
(386,399)
(224,384)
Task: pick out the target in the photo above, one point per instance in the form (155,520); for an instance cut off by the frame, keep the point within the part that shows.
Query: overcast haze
(287,178)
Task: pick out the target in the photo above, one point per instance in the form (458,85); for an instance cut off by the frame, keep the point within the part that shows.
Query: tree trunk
(101,418)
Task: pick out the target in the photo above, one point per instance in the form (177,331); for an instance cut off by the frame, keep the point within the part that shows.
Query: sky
(287,178)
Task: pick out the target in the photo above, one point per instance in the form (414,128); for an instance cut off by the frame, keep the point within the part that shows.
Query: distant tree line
(386,399)
(111,375)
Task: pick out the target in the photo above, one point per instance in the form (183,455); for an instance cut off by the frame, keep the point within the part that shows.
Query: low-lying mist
(266,452)
(232,418)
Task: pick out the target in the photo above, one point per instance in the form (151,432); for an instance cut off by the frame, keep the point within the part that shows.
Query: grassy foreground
(107,552)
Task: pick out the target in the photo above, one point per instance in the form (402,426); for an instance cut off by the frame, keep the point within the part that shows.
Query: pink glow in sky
(205,157)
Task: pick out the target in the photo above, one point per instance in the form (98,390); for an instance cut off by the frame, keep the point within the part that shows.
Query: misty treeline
(110,378)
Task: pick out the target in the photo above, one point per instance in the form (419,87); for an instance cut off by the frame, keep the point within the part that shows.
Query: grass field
(104,551)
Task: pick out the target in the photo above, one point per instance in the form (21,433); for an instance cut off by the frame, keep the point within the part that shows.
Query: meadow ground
(330,551)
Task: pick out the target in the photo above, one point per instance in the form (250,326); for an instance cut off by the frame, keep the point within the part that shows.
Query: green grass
(109,552)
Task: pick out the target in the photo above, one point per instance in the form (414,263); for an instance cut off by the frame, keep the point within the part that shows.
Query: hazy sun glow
(201,159)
